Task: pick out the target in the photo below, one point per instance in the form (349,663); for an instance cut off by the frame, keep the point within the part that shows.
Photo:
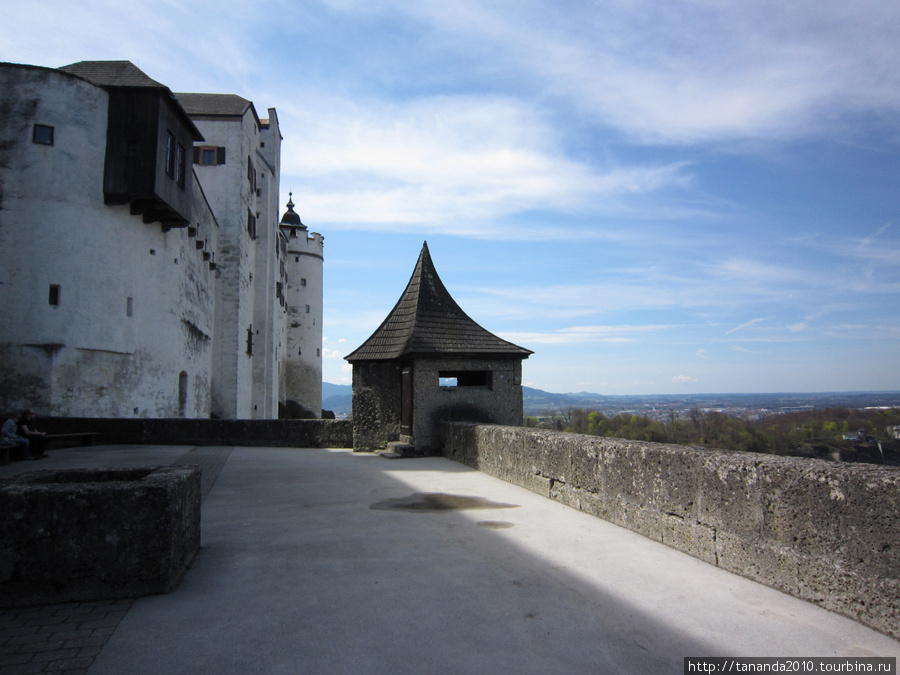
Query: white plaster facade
(109,312)
(303,301)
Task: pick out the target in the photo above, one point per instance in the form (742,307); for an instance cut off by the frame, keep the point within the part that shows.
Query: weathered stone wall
(259,433)
(376,404)
(824,532)
(498,402)
(92,534)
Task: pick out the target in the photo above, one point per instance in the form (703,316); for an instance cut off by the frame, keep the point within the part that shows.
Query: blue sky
(654,197)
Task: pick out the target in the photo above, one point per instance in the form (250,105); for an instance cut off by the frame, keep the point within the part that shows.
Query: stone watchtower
(427,363)
(302,299)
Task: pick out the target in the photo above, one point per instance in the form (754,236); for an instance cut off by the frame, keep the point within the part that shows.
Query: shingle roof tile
(112,74)
(427,321)
(228,105)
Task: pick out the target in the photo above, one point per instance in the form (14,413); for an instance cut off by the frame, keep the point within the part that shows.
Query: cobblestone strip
(57,638)
(211,460)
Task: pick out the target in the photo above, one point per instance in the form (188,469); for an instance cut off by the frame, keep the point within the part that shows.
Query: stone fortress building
(143,268)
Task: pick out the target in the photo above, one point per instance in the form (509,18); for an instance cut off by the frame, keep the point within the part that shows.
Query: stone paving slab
(326,561)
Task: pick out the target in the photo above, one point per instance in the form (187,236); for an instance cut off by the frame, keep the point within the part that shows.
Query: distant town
(743,406)
(539,403)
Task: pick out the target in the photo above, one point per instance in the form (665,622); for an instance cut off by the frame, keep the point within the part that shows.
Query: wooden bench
(5,451)
(80,438)
(12,451)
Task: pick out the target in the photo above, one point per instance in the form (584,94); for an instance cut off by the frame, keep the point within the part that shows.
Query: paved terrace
(325,561)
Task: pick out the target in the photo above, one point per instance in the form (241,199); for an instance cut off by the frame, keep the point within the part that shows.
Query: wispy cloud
(586,334)
(686,72)
(448,163)
(752,322)
(684,379)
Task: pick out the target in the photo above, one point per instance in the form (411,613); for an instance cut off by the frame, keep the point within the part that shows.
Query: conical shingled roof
(426,321)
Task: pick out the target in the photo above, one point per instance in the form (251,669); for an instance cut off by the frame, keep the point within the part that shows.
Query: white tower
(302,390)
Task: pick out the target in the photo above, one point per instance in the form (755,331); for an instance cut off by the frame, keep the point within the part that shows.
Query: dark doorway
(406,402)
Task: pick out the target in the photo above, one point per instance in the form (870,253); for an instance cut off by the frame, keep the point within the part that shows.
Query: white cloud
(445,163)
(695,71)
(684,379)
(585,334)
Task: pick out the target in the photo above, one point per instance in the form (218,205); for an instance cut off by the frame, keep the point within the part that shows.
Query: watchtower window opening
(451,379)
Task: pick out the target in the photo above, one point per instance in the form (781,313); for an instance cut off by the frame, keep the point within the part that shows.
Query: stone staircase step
(399,449)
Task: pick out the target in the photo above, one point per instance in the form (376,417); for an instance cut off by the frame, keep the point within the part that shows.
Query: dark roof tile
(112,74)
(216,105)
(426,321)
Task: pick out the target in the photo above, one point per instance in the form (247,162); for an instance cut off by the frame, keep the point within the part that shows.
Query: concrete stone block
(90,534)
(679,469)
(584,472)
(761,561)
(693,538)
(728,497)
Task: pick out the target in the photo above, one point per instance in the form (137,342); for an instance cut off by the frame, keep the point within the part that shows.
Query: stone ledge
(92,534)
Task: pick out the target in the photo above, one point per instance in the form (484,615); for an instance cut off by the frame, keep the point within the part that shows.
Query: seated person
(9,435)
(28,430)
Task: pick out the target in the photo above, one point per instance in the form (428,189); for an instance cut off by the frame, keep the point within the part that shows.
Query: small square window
(303,282)
(42,134)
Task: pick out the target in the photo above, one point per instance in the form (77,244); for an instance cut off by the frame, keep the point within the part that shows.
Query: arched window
(182,393)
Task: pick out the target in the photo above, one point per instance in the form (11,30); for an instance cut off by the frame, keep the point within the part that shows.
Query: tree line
(779,434)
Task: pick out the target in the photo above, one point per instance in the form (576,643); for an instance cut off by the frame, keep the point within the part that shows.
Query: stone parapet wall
(824,532)
(260,433)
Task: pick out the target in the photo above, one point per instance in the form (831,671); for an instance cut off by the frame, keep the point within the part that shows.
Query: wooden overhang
(141,112)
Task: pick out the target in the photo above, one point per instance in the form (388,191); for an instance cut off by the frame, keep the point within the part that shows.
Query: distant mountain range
(338,398)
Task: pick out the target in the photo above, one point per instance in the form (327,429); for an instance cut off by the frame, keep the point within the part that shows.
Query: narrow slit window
(129,307)
(465,378)
(54,295)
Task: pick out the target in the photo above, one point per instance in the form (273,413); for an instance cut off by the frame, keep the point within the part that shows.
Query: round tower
(302,365)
